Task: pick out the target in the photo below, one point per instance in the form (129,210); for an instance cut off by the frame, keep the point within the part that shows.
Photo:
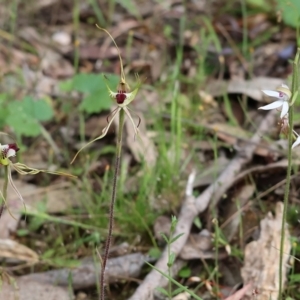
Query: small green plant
(171,259)
(169,292)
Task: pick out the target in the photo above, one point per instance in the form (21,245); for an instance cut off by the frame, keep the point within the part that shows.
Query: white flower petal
(296,143)
(3,147)
(269,93)
(272,105)
(284,86)
(112,94)
(285,109)
(11,152)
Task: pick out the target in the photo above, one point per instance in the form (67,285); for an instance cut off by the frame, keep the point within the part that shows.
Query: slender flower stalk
(295,89)
(123,97)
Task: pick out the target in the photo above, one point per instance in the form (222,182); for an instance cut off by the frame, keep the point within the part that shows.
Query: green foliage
(25,116)
(92,86)
(290,11)
(185,272)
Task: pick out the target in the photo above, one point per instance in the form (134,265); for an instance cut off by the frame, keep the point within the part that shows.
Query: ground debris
(261,266)
(23,290)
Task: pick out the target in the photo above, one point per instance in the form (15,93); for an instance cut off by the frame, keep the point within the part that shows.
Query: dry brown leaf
(142,147)
(261,265)
(182,296)
(162,224)
(209,172)
(57,197)
(14,252)
(233,214)
(238,295)
(200,246)
(85,275)
(29,290)
(251,88)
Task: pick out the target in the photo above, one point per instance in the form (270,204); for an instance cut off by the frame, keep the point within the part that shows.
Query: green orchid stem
(112,202)
(4,193)
(295,88)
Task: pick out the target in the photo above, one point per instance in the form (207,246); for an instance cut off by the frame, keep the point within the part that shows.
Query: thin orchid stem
(288,176)
(112,202)
(5,186)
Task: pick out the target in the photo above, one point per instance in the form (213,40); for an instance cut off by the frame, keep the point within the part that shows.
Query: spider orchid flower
(6,153)
(283,95)
(123,97)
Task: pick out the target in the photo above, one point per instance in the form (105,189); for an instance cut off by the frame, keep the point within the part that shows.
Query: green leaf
(171,259)
(197,223)
(96,102)
(165,237)
(22,232)
(185,272)
(154,252)
(177,291)
(48,253)
(96,97)
(4,111)
(66,85)
(162,291)
(24,116)
(294,278)
(176,237)
(87,83)
(260,4)
(290,11)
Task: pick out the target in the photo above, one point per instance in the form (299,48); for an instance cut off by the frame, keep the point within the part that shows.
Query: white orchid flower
(283,94)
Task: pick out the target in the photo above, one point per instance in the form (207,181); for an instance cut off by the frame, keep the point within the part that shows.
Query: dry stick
(193,206)
(112,202)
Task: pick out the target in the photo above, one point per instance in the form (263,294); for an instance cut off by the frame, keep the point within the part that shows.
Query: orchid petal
(110,92)
(131,96)
(10,180)
(285,109)
(104,132)
(272,105)
(26,170)
(269,93)
(5,205)
(296,143)
(132,122)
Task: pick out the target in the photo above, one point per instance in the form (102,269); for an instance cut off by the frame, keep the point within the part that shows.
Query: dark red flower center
(121,96)
(14,147)
(10,146)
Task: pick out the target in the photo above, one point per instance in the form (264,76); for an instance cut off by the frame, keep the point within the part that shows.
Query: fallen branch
(86,275)
(193,206)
